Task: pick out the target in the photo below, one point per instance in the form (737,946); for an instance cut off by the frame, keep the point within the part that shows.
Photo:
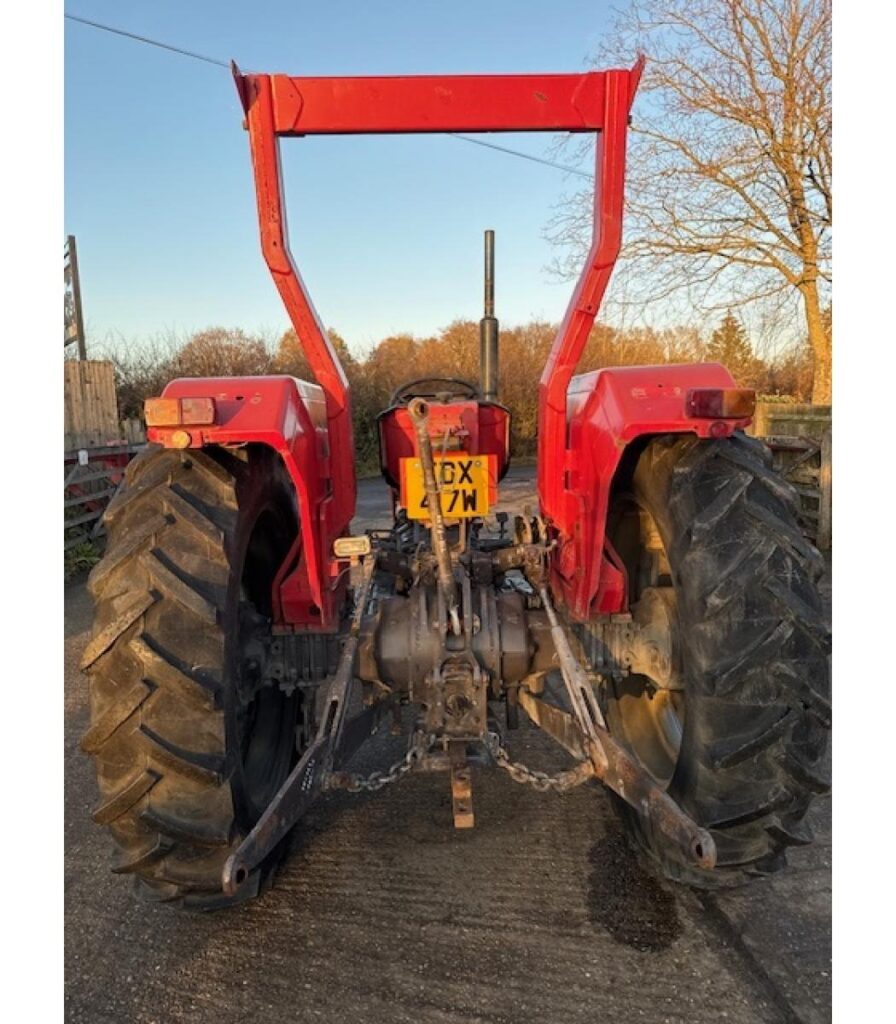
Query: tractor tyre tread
(156,662)
(755,649)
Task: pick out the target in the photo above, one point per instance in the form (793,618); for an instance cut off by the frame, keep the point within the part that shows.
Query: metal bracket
(461,784)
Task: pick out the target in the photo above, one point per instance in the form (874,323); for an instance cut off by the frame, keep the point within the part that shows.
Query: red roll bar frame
(596,101)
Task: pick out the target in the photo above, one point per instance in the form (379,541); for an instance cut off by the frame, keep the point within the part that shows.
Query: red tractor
(659,618)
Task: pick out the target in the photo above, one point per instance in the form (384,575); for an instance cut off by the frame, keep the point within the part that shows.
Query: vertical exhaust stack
(488,327)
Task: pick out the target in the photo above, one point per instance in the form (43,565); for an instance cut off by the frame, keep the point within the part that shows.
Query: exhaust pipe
(488,327)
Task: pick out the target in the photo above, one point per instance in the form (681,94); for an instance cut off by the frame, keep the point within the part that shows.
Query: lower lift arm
(335,742)
(585,734)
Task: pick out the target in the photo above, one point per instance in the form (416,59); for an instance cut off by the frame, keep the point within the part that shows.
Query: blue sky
(387,231)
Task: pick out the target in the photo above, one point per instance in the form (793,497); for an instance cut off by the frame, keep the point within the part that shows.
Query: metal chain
(419,747)
(560,782)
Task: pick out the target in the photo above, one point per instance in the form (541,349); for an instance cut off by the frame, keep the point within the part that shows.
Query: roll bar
(596,101)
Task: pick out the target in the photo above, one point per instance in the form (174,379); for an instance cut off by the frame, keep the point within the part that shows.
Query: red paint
(257,97)
(436,103)
(479,428)
(281,105)
(585,422)
(607,410)
(289,416)
(609,176)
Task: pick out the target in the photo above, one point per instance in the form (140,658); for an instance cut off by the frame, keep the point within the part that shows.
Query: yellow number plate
(463,486)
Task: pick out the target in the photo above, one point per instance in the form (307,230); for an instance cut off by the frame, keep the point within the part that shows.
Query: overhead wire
(150,42)
(523,156)
(227,64)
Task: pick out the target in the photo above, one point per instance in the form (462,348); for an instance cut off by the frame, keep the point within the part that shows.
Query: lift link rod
(419,413)
(615,767)
(334,742)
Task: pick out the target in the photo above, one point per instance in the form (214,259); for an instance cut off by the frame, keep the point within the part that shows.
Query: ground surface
(384,914)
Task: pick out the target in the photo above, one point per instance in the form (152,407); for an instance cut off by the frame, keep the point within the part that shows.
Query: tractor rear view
(658,618)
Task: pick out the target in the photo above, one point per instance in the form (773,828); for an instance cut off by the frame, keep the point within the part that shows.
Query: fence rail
(92,478)
(806,463)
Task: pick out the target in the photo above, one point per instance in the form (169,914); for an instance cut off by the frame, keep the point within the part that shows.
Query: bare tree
(290,357)
(223,352)
(729,183)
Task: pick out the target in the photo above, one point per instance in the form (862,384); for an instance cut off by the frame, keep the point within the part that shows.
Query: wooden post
(824,503)
(76,297)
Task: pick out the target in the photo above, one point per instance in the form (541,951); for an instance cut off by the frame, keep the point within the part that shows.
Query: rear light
(720,403)
(179,412)
(200,412)
(161,412)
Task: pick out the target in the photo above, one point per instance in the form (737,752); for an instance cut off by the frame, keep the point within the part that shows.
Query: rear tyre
(739,736)
(188,749)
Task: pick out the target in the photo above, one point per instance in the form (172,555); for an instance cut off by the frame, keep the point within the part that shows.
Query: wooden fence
(790,419)
(92,478)
(97,447)
(800,439)
(91,405)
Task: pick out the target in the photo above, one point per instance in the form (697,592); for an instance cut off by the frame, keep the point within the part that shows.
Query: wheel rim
(267,735)
(267,745)
(651,724)
(647,708)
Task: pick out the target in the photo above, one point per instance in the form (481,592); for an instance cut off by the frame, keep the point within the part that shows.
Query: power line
(226,64)
(150,42)
(523,156)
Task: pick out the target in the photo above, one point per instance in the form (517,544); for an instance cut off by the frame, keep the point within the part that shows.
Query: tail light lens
(179,412)
(720,403)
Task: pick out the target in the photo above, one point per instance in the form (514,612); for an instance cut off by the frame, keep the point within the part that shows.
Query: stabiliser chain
(544,782)
(421,744)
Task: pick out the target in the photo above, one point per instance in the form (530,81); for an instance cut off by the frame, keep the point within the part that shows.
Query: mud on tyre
(188,750)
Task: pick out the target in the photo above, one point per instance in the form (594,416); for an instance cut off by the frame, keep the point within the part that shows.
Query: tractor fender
(289,416)
(607,411)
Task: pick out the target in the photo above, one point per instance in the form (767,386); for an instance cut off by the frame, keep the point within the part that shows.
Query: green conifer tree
(730,346)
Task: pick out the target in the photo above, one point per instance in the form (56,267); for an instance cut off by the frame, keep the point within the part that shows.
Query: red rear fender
(288,415)
(607,411)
